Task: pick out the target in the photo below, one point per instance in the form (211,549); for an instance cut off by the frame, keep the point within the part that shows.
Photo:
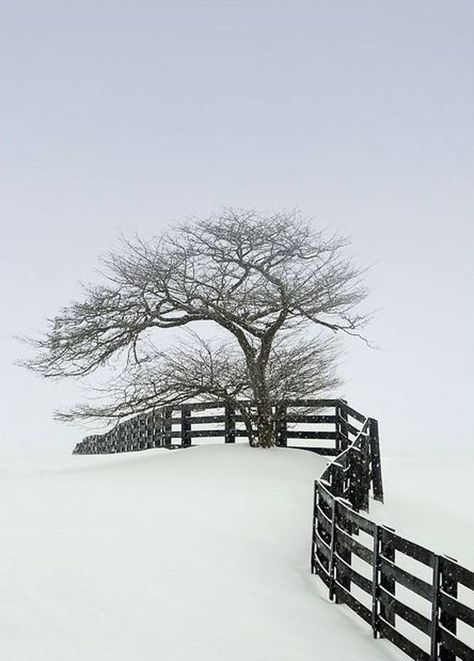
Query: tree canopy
(268,281)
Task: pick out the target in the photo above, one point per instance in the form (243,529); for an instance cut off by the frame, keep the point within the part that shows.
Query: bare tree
(261,278)
(215,370)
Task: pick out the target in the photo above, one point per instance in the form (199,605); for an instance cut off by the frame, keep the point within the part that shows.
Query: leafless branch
(260,278)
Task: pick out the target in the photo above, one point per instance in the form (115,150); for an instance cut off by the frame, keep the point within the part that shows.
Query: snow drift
(198,554)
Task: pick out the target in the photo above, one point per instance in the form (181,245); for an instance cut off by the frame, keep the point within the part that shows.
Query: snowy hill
(199,554)
(429,500)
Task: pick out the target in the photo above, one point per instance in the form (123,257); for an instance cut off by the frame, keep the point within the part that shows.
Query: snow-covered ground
(430,501)
(199,554)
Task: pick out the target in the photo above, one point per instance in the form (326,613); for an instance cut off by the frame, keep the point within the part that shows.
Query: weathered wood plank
(345,597)
(403,643)
(457,572)
(353,413)
(396,607)
(311,419)
(364,524)
(354,546)
(453,606)
(454,645)
(422,588)
(361,581)
(326,435)
(411,549)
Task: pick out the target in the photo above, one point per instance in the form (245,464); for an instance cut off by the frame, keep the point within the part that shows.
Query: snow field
(197,554)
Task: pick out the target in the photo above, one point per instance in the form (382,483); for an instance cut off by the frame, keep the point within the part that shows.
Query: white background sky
(123,116)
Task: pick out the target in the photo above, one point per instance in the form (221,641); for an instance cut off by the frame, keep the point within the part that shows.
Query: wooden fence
(319,425)
(408,594)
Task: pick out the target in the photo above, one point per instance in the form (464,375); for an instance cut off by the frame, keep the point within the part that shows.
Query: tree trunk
(263,404)
(265,436)
(247,416)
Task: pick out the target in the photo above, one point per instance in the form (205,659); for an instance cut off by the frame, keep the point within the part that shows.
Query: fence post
(434,632)
(337,478)
(342,431)
(133,434)
(364,475)
(355,484)
(126,437)
(387,550)
(375,582)
(313,538)
(332,549)
(142,441)
(322,532)
(167,424)
(229,423)
(344,553)
(185,426)
(157,426)
(376,463)
(449,585)
(149,430)
(281,424)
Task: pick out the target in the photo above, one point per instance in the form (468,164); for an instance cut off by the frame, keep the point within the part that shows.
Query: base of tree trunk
(265,444)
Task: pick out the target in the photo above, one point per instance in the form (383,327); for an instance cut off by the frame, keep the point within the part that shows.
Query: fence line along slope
(420,601)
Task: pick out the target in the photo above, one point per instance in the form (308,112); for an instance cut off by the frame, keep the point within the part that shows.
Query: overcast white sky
(122,116)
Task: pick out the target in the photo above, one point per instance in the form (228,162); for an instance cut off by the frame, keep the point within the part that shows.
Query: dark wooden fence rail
(327,429)
(408,594)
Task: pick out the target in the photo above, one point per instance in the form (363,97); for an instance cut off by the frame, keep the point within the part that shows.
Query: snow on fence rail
(299,423)
(408,594)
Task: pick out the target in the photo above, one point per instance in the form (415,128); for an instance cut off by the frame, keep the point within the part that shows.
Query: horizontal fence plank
(393,605)
(197,433)
(311,419)
(201,406)
(405,546)
(361,581)
(345,597)
(324,520)
(364,524)
(453,644)
(322,572)
(326,435)
(202,419)
(402,642)
(413,583)
(353,545)
(322,546)
(453,606)
(350,428)
(353,413)
(457,572)
(313,403)
(325,495)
